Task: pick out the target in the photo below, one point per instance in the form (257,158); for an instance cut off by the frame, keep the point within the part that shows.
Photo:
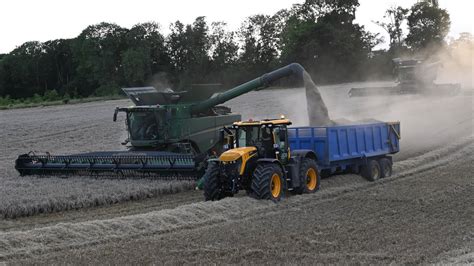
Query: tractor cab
(269,137)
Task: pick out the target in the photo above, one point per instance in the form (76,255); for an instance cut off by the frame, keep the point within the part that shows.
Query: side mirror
(226,138)
(115,114)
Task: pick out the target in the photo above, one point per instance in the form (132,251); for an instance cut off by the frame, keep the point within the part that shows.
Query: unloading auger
(170,134)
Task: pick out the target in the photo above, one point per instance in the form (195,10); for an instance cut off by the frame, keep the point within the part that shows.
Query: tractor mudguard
(272,160)
(298,154)
(295,162)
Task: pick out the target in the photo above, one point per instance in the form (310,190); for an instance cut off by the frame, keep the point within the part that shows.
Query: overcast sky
(42,20)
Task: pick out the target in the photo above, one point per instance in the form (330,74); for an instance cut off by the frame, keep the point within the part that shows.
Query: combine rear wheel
(212,185)
(372,170)
(267,182)
(309,177)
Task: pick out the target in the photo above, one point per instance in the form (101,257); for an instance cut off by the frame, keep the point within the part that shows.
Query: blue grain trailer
(267,158)
(359,148)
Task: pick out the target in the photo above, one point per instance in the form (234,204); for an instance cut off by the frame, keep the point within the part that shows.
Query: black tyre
(212,185)
(310,178)
(372,171)
(267,182)
(386,167)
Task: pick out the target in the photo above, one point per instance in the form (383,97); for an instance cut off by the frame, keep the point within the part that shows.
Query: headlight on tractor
(233,166)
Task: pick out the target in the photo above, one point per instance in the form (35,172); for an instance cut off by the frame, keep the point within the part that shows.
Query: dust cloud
(318,114)
(428,119)
(159,81)
(457,66)
(426,122)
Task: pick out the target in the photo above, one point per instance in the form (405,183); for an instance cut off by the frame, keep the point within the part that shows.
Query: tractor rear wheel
(267,182)
(309,177)
(386,167)
(212,185)
(372,170)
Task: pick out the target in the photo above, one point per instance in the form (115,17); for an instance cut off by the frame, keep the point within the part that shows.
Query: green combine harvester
(413,77)
(171,135)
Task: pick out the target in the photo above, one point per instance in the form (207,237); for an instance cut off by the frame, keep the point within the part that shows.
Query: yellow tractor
(258,160)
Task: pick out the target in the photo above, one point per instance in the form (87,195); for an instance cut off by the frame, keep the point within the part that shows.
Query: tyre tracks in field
(166,201)
(168,218)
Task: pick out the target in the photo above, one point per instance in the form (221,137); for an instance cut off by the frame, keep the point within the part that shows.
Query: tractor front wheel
(267,182)
(212,185)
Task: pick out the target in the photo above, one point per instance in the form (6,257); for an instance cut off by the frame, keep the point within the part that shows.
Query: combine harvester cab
(269,158)
(413,77)
(170,134)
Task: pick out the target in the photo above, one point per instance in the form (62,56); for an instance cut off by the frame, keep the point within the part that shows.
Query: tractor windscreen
(143,125)
(248,136)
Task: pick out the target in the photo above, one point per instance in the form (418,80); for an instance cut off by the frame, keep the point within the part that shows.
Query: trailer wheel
(212,185)
(310,178)
(372,171)
(267,182)
(386,167)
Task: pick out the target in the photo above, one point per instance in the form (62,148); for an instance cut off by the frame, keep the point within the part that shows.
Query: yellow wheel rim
(275,185)
(311,179)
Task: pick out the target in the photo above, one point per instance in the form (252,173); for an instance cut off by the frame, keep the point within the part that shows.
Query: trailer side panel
(344,143)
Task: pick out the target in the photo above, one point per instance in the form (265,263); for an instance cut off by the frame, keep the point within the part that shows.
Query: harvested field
(63,130)
(342,227)
(420,215)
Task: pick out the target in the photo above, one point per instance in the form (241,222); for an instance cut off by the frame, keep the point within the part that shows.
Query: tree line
(321,35)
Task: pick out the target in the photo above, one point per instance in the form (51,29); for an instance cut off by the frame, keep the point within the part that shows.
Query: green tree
(224,52)
(3,77)
(23,71)
(97,53)
(148,36)
(188,48)
(259,36)
(323,37)
(59,64)
(224,49)
(428,26)
(136,66)
(396,16)
(145,54)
